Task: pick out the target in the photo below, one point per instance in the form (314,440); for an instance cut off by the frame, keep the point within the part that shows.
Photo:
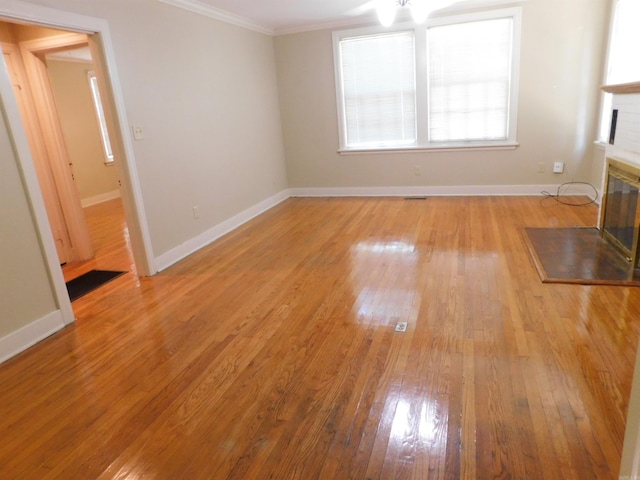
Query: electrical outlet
(558,167)
(196,212)
(417,171)
(541,167)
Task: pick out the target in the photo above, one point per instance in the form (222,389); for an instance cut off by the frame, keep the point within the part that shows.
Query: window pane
(624,62)
(470,80)
(378,76)
(102,122)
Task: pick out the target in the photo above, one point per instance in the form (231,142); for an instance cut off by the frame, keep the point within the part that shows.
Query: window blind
(379,85)
(469,80)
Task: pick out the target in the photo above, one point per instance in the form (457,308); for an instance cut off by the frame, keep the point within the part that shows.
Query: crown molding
(200,8)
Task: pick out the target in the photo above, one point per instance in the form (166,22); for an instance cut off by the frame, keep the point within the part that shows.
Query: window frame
(422,127)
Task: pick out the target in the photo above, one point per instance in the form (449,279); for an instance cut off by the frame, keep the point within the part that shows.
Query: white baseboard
(187,248)
(181,251)
(29,335)
(104,197)
(432,191)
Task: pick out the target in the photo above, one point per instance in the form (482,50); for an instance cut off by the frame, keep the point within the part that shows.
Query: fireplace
(620,221)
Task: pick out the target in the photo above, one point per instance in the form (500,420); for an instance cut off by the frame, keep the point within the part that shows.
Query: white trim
(18,341)
(206,10)
(200,8)
(49,17)
(187,248)
(448,147)
(435,191)
(103,197)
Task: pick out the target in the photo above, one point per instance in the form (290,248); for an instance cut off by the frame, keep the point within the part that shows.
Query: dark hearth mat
(578,255)
(90,281)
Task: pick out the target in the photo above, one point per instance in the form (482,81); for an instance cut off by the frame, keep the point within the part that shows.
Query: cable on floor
(558,197)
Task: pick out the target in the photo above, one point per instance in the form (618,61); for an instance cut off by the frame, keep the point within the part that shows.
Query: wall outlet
(417,171)
(541,167)
(196,212)
(138,134)
(558,167)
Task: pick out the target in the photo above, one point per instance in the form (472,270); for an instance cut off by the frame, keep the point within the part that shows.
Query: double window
(450,84)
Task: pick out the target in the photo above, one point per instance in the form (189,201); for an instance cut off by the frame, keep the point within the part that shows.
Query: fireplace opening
(621,220)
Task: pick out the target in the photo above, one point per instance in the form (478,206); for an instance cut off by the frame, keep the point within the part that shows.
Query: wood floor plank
(271,353)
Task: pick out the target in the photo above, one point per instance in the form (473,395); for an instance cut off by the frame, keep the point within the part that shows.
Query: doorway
(53,74)
(96,33)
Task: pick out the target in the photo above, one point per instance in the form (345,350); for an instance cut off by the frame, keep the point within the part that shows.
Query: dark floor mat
(90,281)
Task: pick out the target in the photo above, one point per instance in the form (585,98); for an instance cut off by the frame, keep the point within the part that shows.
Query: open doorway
(95,32)
(92,163)
(52,73)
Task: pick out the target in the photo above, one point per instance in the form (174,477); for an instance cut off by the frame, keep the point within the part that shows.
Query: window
(449,84)
(379,87)
(102,122)
(623,63)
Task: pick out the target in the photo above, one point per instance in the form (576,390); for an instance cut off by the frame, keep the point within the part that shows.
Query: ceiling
(289,16)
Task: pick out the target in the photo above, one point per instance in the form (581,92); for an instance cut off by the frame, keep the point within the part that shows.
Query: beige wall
(80,128)
(561,70)
(25,291)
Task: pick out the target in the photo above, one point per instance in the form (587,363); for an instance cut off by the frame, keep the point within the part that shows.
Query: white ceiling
(288,16)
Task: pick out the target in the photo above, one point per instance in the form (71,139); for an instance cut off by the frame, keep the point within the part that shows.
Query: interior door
(39,153)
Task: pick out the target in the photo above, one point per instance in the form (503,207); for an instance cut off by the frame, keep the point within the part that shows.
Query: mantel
(622,88)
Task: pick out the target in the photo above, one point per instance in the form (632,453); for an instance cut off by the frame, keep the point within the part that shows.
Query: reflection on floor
(110,240)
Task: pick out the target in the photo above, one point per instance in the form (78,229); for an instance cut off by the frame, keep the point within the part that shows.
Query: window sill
(434,148)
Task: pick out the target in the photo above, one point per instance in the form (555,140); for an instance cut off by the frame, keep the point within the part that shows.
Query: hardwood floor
(272,354)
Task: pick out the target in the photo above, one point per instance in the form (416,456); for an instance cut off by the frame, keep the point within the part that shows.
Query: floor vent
(401,327)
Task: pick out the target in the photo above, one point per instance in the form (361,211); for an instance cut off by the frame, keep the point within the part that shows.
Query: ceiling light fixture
(420,9)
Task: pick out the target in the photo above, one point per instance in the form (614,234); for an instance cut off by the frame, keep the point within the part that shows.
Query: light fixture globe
(420,10)
(386,10)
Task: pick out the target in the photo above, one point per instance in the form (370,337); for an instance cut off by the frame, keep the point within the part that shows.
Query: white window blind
(469,80)
(379,90)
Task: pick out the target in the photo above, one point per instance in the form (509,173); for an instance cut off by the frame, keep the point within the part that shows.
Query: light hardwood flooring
(271,354)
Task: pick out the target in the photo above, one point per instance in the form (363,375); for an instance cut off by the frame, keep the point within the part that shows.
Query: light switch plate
(138,134)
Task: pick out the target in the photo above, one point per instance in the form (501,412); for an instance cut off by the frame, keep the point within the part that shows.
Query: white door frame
(23,12)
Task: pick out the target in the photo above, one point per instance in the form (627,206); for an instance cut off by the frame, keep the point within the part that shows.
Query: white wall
(561,71)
